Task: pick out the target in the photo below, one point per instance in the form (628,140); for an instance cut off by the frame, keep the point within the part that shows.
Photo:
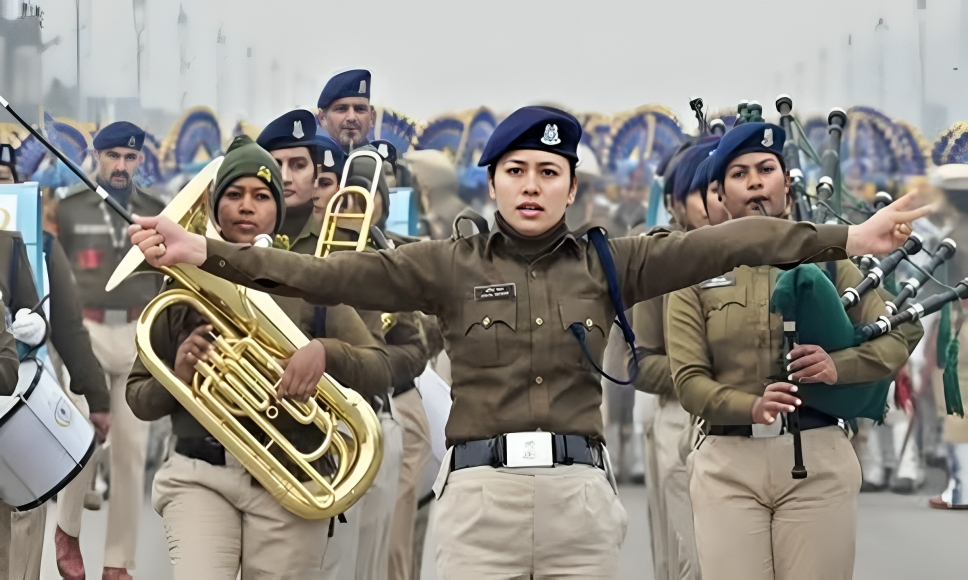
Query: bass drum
(44,439)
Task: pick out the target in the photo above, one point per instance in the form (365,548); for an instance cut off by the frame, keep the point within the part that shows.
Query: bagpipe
(812,308)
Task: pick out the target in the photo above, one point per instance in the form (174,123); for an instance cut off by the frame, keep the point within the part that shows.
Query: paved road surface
(898,538)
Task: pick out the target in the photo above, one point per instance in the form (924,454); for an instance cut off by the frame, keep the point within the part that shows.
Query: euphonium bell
(237,385)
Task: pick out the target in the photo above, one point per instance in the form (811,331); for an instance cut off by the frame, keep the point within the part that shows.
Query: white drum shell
(44,439)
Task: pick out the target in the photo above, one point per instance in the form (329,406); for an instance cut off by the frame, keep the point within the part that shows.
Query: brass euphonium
(251,333)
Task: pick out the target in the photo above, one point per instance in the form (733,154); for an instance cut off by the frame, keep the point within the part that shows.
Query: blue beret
(120,134)
(293,129)
(386,150)
(702,178)
(688,166)
(542,128)
(351,83)
(746,138)
(330,155)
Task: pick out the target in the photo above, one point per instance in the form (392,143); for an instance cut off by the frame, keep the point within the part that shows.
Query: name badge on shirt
(531,449)
(719,282)
(495,292)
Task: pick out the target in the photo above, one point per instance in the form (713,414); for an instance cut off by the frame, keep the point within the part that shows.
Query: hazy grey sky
(430,57)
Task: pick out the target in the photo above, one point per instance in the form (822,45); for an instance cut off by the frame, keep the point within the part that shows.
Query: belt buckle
(530,449)
(114,317)
(774,429)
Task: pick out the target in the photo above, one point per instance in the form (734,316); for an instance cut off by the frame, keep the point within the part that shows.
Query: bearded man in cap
(345,110)
(95,242)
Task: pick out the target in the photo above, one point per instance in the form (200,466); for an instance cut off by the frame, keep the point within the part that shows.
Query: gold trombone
(238,383)
(344,206)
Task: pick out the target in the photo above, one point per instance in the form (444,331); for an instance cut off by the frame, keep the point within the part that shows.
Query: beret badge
(551,135)
(264,174)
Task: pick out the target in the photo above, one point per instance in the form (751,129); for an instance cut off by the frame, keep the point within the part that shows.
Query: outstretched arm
(664,262)
(407,278)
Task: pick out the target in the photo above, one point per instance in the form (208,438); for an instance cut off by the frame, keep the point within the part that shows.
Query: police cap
(293,129)
(542,128)
(119,134)
(688,166)
(350,83)
(329,154)
(747,138)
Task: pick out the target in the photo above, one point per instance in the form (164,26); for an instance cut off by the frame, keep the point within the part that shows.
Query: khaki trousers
(218,522)
(658,522)
(360,548)
(409,412)
(115,349)
(21,542)
(755,522)
(533,523)
(682,559)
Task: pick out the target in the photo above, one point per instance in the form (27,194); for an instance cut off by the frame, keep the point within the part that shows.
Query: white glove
(28,327)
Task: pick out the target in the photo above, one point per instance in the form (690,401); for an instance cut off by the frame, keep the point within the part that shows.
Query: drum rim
(67,479)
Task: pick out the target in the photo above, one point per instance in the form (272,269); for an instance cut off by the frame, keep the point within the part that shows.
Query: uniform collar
(530,247)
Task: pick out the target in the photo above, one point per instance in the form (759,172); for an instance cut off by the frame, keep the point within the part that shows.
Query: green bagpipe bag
(805,294)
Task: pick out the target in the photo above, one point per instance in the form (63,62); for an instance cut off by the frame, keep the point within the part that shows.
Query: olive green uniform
(73,344)
(516,367)
(95,241)
(723,342)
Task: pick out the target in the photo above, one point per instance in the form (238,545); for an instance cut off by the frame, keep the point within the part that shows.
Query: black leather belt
(809,419)
(567,450)
(206,449)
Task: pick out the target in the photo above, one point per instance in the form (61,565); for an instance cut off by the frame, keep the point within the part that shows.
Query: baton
(117,207)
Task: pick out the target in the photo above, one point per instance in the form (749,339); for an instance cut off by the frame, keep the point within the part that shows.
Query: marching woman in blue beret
(753,519)
(525,311)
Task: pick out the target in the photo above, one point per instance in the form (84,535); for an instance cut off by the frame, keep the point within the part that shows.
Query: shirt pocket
(489,331)
(724,309)
(592,315)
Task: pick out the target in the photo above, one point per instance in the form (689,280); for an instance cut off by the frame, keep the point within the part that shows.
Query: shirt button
(539,380)
(534,274)
(486,322)
(539,321)
(221,263)
(589,323)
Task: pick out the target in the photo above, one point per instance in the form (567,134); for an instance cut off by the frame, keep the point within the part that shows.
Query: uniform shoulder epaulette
(75,189)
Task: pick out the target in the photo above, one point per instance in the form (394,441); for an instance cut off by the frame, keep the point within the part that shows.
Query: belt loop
(500,451)
(566,458)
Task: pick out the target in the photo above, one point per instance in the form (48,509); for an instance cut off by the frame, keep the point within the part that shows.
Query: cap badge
(328,159)
(297,130)
(264,174)
(767,137)
(131,142)
(362,87)
(551,135)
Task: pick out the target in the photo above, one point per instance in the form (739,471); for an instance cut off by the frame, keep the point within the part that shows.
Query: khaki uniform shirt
(68,335)
(89,240)
(505,304)
(723,343)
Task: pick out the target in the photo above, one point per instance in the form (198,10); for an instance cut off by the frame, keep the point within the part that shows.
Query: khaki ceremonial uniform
(752,519)
(95,241)
(218,519)
(516,366)
(73,344)
(670,509)
(361,547)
